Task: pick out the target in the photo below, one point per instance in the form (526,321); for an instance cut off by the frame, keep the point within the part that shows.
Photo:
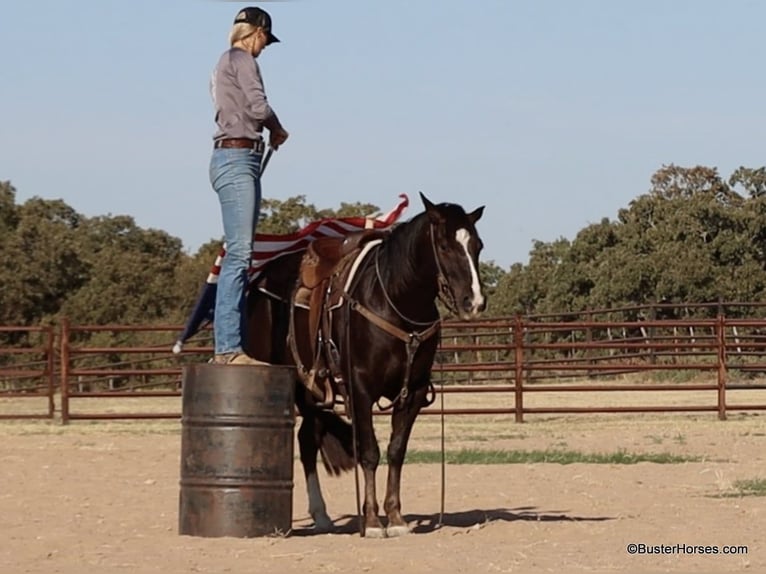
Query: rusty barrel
(236,450)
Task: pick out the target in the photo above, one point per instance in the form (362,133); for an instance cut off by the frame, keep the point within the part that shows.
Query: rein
(412,341)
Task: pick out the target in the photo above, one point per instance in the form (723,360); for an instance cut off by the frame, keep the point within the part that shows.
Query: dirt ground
(103,497)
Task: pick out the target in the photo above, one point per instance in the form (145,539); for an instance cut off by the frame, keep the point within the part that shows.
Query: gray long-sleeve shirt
(239,99)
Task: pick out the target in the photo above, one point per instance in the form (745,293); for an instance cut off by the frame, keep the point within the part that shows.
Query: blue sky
(551,113)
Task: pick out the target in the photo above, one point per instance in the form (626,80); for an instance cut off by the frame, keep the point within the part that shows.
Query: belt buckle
(259,146)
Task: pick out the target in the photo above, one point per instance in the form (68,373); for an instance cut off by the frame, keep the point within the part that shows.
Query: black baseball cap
(257,17)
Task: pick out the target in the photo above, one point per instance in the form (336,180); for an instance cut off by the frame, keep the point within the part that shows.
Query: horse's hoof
(394,531)
(322,523)
(374,532)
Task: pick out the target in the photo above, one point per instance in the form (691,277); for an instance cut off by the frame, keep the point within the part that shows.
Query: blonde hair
(240,31)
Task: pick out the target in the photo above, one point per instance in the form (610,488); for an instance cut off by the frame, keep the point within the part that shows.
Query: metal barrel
(236,450)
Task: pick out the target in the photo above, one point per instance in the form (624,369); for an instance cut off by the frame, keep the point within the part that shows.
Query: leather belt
(247,143)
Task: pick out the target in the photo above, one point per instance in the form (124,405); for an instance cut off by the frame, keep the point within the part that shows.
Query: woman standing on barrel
(241,113)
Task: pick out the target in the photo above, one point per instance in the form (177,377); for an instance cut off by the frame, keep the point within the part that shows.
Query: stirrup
(324,395)
(328,401)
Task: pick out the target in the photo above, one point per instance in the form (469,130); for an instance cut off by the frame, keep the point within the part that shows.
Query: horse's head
(456,246)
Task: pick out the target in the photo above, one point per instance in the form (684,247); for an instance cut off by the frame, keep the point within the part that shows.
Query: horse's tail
(335,442)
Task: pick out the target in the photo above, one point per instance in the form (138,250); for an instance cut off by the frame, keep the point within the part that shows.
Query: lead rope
(443,477)
(444,291)
(352,415)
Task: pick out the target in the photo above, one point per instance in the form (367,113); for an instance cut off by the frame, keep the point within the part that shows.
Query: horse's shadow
(425,523)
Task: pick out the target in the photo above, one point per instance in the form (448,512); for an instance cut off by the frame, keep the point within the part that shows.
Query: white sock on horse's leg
(317,508)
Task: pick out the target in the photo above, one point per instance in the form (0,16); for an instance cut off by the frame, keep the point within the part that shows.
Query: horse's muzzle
(471,307)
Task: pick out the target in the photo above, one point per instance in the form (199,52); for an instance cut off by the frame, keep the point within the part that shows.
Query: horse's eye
(443,245)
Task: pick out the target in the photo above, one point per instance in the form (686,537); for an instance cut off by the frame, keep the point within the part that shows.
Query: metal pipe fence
(525,361)
(27,370)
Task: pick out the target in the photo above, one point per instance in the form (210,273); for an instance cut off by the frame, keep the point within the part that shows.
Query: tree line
(693,237)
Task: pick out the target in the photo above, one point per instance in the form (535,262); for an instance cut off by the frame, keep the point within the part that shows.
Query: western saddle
(324,272)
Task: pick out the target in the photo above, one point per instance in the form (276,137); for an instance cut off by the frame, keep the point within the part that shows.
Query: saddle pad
(355,267)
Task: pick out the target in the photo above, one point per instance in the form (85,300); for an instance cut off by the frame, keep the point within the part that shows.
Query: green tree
(293,213)
(132,273)
(752,180)
(40,261)
(524,288)
(8,210)
(581,268)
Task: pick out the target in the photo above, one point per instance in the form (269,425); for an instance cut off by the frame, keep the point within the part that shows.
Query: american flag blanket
(268,247)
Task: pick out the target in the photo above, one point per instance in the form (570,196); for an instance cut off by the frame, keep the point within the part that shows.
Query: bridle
(445,293)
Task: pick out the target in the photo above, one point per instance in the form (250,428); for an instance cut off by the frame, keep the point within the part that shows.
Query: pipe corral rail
(27,368)
(522,358)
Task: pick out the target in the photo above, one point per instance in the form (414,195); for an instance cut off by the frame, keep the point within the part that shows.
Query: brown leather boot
(237,359)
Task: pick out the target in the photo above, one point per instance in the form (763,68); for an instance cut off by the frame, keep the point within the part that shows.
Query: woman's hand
(277,137)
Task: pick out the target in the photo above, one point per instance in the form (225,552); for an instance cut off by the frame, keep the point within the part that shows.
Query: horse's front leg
(309,448)
(369,457)
(401,427)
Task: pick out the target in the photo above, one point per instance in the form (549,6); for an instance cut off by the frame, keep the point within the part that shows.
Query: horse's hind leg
(309,448)
(401,427)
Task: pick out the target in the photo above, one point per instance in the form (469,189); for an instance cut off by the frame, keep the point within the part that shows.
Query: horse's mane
(400,249)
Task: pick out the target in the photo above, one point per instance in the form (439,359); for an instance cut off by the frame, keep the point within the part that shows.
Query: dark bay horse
(386,333)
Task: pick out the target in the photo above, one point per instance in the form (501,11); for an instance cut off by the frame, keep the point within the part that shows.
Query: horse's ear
(476,214)
(433,214)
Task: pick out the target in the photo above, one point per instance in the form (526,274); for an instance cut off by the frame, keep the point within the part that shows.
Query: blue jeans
(236,177)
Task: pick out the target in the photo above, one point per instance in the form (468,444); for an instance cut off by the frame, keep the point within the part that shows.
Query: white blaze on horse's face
(463,236)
